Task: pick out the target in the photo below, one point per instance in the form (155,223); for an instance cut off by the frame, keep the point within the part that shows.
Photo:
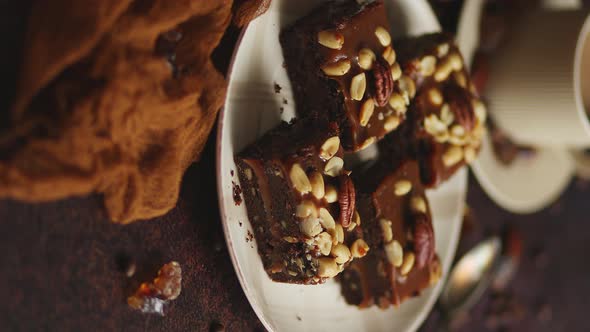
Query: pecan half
(382,84)
(460,101)
(346,200)
(247,10)
(423,240)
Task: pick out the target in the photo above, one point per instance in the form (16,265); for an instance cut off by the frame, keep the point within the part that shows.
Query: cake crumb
(278,88)
(237,193)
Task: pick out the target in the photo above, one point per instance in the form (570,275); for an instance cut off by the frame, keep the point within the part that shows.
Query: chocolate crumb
(240,223)
(285,102)
(249,236)
(281,109)
(231,172)
(298,317)
(237,193)
(278,88)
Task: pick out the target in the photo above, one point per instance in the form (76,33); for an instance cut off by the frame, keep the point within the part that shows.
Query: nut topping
(461,106)
(433,125)
(366,58)
(366,112)
(418,204)
(435,272)
(470,154)
(368,142)
(305,209)
(397,102)
(330,39)
(446,116)
(337,69)
(423,241)
(324,242)
(408,263)
(435,97)
(327,267)
(326,219)
(358,85)
(341,253)
(443,70)
(356,218)
(394,253)
(407,85)
(299,179)
(396,71)
(391,122)
(460,79)
(480,111)
(386,230)
(442,50)
(346,200)
(428,65)
(330,147)
(248,173)
(310,227)
(458,130)
(402,187)
(333,167)
(359,248)
(456,61)
(331,194)
(383,35)
(290,239)
(317,185)
(382,82)
(452,156)
(389,55)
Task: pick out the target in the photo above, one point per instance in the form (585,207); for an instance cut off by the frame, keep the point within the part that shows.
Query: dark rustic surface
(63,264)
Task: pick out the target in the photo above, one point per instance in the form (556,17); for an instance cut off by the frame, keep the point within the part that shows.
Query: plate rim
(222,213)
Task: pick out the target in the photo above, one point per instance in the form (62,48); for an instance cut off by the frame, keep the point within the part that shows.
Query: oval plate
(251,108)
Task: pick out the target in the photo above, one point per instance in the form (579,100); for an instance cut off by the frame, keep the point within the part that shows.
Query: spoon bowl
(470,277)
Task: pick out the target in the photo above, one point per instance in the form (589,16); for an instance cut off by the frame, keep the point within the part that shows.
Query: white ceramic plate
(251,108)
(530,183)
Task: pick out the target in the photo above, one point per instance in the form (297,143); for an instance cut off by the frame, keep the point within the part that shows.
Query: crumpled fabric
(99,110)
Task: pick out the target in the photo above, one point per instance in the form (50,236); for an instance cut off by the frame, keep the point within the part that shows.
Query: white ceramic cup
(539,85)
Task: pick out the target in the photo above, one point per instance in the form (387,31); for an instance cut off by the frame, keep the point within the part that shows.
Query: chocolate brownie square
(301,202)
(446,119)
(343,68)
(397,227)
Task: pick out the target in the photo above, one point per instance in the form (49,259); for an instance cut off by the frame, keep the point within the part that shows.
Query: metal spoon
(469,278)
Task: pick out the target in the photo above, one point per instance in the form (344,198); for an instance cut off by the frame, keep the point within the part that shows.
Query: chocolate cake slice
(301,202)
(446,119)
(397,226)
(343,68)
